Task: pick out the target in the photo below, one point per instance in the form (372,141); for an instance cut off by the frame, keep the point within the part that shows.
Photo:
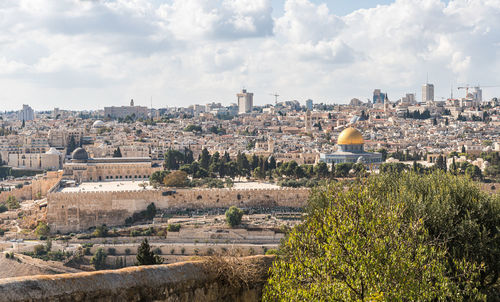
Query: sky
(87,54)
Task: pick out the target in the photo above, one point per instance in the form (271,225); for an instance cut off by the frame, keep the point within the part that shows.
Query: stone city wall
(40,185)
(72,212)
(186,281)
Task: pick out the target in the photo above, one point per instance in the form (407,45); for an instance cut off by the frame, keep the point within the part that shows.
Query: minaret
(132,103)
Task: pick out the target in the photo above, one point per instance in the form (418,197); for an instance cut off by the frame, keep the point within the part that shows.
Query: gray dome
(79,154)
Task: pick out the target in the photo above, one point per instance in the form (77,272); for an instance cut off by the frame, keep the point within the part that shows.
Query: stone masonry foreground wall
(73,212)
(186,281)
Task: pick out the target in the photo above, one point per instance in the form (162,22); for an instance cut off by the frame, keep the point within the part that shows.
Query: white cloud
(96,53)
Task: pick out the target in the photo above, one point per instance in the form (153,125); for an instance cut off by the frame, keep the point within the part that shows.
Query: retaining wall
(186,281)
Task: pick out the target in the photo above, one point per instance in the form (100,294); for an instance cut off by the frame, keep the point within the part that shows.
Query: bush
(392,237)
(135,233)
(42,229)
(145,256)
(174,227)
(99,259)
(127,251)
(100,231)
(3,208)
(111,251)
(12,203)
(234,216)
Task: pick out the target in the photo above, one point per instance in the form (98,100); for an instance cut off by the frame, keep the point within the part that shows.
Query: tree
(321,170)
(145,256)
(158,176)
(42,229)
(205,159)
(117,152)
(12,203)
(99,259)
(100,231)
(272,163)
(360,243)
(176,179)
(234,216)
(473,172)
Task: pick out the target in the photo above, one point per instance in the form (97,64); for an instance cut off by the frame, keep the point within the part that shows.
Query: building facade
(427,93)
(124,111)
(245,101)
(82,168)
(26,113)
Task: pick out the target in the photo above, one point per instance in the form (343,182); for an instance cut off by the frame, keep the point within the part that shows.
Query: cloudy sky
(84,54)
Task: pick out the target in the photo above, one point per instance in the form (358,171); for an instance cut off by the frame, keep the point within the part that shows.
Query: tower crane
(276,95)
(467,86)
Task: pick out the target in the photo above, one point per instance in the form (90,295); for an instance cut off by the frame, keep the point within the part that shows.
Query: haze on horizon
(90,54)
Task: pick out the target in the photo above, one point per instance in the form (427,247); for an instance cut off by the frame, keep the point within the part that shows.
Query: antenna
(427,78)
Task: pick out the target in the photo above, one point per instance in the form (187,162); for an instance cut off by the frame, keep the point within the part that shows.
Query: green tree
(321,170)
(42,229)
(474,172)
(71,145)
(117,152)
(12,203)
(100,231)
(176,179)
(98,260)
(205,159)
(145,256)
(358,244)
(234,216)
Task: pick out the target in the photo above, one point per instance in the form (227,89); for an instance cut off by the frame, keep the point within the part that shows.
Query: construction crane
(276,95)
(467,86)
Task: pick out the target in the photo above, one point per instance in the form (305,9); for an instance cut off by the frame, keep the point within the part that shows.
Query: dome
(98,124)
(53,151)
(350,136)
(80,154)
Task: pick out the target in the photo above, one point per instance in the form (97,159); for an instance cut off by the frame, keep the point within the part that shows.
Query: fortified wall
(72,212)
(186,281)
(40,185)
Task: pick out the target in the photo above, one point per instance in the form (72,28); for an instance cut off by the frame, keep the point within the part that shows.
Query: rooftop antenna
(451,92)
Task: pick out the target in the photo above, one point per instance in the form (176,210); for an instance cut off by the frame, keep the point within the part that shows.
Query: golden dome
(350,136)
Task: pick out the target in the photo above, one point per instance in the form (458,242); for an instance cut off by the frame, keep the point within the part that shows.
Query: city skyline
(87,55)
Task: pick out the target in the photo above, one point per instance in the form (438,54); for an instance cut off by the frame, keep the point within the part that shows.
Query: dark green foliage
(175,227)
(394,236)
(193,128)
(147,214)
(233,216)
(117,152)
(99,259)
(145,256)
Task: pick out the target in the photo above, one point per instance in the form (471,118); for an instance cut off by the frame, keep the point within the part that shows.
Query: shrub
(174,227)
(172,251)
(100,231)
(406,237)
(183,250)
(111,251)
(234,216)
(12,203)
(127,251)
(42,229)
(99,259)
(3,208)
(145,256)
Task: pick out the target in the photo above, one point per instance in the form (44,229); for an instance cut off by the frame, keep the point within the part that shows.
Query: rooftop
(105,186)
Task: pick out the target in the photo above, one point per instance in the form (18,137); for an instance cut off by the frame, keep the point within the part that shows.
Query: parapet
(185,281)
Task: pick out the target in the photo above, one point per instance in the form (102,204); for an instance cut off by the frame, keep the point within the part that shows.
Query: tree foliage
(98,260)
(145,256)
(395,236)
(234,216)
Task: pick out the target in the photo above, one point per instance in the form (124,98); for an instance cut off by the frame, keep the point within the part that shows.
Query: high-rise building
(477,94)
(427,92)
(378,96)
(309,104)
(245,101)
(26,114)
(408,99)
